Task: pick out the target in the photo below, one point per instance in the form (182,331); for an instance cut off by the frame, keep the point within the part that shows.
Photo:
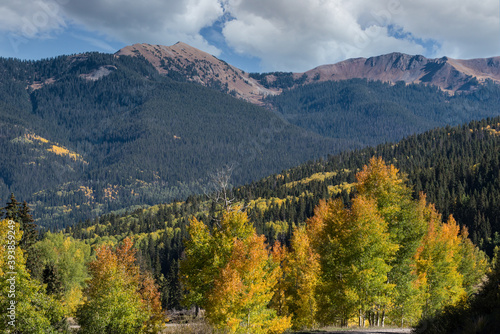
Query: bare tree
(220,181)
(219,187)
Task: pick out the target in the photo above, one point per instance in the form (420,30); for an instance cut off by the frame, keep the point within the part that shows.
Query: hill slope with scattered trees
(456,167)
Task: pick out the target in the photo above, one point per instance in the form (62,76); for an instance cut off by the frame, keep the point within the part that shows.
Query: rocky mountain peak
(184,61)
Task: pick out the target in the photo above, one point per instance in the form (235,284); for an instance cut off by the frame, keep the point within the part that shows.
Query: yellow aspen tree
(25,306)
(207,251)
(437,263)
(301,271)
(356,250)
(70,257)
(316,224)
(332,239)
(239,301)
(200,265)
(473,263)
(389,255)
(406,225)
(372,254)
(230,273)
(280,255)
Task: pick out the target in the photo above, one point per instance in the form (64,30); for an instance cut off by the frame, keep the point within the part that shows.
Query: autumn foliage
(385,258)
(230,272)
(35,311)
(388,257)
(119,298)
(301,269)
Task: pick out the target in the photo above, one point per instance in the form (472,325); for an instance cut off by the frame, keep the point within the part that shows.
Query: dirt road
(365,331)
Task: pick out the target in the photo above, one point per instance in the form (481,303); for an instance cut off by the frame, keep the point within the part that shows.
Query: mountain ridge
(199,67)
(447,73)
(451,75)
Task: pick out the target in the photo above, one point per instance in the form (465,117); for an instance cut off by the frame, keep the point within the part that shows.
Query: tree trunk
(378,320)
(383,318)
(360,319)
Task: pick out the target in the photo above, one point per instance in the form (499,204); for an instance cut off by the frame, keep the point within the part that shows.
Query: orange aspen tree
(243,290)
(230,273)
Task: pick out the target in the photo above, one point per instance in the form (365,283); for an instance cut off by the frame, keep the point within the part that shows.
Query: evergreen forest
(95,133)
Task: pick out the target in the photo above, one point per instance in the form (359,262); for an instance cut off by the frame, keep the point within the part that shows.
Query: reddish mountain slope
(192,64)
(198,66)
(446,73)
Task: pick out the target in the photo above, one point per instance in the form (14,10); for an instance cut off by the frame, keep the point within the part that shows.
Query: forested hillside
(374,112)
(456,167)
(93,133)
(384,258)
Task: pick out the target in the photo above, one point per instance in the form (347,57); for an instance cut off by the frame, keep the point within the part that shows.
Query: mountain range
(182,60)
(87,134)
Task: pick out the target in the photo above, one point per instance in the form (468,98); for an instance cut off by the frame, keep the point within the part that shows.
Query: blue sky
(255,35)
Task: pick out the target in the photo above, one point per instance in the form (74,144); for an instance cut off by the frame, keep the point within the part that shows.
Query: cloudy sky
(255,35)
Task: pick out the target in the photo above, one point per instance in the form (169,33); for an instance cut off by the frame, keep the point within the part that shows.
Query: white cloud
(31,19)
(290,35)
(148,21)
(129,21)
(465,28)
(297,35)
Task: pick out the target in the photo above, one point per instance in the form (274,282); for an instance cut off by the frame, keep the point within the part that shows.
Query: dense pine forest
(129,137)
(373,112)
(95,133)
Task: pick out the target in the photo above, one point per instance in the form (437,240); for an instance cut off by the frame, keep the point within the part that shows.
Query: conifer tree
(52,278)
(30,233)
(12,209)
